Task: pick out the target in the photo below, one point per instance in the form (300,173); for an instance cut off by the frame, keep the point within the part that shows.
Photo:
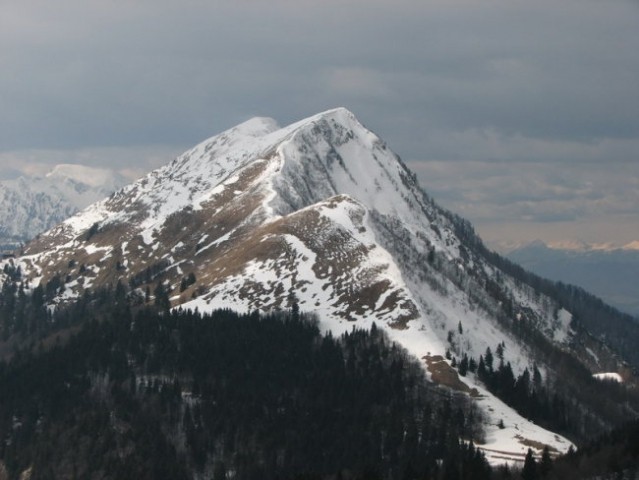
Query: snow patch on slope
(609,376)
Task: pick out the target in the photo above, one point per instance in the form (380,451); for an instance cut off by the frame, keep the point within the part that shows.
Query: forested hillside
(591,316)
(110,387)
(614,455)
(154,394)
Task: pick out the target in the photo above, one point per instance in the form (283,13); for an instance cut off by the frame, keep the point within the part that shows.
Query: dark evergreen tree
(472,365)
(529,472)
(481,369)
(545,465)
(488,359)
(463,365)
(162,297)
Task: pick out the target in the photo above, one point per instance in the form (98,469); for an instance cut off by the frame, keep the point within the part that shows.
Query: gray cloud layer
(551,86)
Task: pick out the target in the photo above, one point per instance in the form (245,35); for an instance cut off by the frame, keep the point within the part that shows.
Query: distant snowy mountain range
(611,273)
(566,245)
(32,205)
(323,216)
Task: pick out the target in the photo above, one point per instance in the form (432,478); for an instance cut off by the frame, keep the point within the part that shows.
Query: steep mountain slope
(321,215)
(31,205)
(612,274)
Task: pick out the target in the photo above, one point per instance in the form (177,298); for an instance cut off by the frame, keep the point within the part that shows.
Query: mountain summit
(322,216)
(300,205)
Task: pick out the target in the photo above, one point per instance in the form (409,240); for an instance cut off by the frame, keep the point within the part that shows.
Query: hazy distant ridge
(610,273)
(31,205)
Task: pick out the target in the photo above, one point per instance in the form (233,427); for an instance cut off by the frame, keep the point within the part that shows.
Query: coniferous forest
(109,392)
(110,388)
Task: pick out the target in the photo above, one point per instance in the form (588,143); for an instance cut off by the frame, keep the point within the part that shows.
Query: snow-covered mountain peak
(332,153)
(321,214)
(304,163)
(631,245)
(255,127)
(31,205)
(252,139)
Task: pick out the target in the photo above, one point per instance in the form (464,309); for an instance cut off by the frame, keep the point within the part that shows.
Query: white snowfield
(319,213)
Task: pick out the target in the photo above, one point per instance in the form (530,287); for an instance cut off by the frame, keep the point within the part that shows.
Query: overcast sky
(522,116)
